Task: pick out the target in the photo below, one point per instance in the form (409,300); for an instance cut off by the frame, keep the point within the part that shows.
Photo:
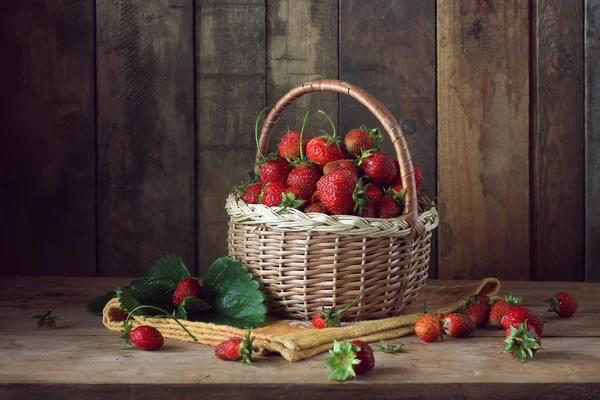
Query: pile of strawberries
(326,174)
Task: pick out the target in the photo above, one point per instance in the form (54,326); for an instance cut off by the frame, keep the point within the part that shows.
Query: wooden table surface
(82,359)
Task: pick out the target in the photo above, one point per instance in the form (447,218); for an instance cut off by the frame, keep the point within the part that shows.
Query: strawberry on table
(349,359)
(516,315)
(500,307)
(146,337)
(237,349)
(336,191)
(522,341)
(330,317)
(563,304)
(188,287)
(273,194)
(458,325)
(429,328)
(327,148)
(478,309)
(363,138)
(378,166)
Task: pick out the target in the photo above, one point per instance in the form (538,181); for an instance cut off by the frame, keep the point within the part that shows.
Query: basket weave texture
(307,261)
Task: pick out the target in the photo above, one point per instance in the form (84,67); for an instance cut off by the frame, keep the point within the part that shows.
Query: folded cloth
(296,340)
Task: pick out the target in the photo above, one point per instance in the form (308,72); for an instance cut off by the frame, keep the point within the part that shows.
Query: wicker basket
(310,261)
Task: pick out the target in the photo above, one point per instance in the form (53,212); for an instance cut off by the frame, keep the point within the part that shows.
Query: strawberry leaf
(96,306)
(169,270)
(190,305)
(156,295)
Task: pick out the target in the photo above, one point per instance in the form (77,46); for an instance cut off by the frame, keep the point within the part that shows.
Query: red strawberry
(325,149)
(146,338)
(378,166)
(522,341)
(252,193)
(273,194)
(315,198)
(480,298)
(299,193)
(237,349)
(500,307)
(316,208)
(428,328)
(516,315)
(360,139)
(458,325)
(418,175)
(478,312)
(342,164)
(330,317)
(304,177)
(276,170)
(388,208)
(349,359)
(336,191)
(289,145)
(188,287)
(369,212)
(563,304)
(374,193)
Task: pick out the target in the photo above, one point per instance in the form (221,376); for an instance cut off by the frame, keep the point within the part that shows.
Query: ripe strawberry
(478,312)
(429,328)
(418,175)
(349,359)
(369,212)
(388,208)
(325,149)
(252,193)
(342,164)
(289,145)
(146,337)
(378,166)
(188,287)
(363,138)
(563,304)
(522,341)
(516,315)
(237,349)
(330,317)
(273,194)
(315,198)
(374,193)
(480,298)
(458,325)
(299,193)
(336,191)
(500,307)
(275,170)
(304,177)
(316,208)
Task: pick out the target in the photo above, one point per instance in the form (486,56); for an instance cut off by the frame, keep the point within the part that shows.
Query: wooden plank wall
(128,121)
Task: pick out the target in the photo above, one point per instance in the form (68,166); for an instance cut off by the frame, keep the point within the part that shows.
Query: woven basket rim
(292,219)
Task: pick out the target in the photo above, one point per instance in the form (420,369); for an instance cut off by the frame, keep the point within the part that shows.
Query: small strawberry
(349,359)
(275,170)
(252,193)
(330,317)
(458,325)
(188,287)
(146,337)
(316,208)
(522,341)
(478,312)
(289,145)
(418,175)
(563,304)
(388,208)
(336,191)
(305,177)
(273,194)
(518,314)
(363,138)
(500,307)
(378,166)
(237,349)
(346,164)
(429,328)
(374,193)
(325,149)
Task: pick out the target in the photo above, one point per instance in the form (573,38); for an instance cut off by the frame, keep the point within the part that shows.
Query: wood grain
(388,48)
(558,147)
(47,157)
(145,134)
(302,45)
(483,139)
(231,72)
(592,140)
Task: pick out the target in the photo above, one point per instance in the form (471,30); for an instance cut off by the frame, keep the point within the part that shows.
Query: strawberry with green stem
(500,307)
(237,349)
(349,359)
(304,174)
(563,304)
(363,138)
(326,148)
(330,317)
(378,166)
(522,341)
(336,192)
(272,167)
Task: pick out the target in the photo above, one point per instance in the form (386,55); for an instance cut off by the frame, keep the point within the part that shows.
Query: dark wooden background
(126,122)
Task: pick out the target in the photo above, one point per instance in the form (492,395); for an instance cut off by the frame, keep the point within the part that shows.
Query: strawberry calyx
(333,138)
(364,154)
(522,342)
(289,201)
(342,360)
(397,196)
(375,134)
(247,347)
(361,200)
(554,305)
(331,316)
(513,300)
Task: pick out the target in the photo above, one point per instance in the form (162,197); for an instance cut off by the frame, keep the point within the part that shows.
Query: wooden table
(82,359)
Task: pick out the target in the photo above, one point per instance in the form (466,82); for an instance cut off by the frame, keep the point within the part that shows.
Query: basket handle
(387,120)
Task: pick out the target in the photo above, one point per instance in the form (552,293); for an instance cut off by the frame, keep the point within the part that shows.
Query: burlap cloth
(296,340)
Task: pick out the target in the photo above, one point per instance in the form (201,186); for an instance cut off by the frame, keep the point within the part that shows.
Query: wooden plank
(47,160)
(388,48)
(145,134)
(302,45)
(483,140)
(592,140)
(231,85)
(558,148)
